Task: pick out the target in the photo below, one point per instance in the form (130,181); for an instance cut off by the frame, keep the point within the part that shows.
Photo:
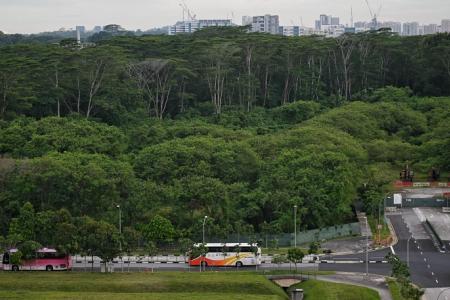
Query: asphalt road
(429,268)
(185,267)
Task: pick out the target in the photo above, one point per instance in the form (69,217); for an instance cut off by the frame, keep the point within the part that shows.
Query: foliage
(400,271)
(172,136)
(321,290)
(295,256)
(314,248)
(279,259)
(158,229)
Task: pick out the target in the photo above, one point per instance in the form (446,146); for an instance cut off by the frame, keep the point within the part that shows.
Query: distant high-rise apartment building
(445,25)
(97,29)
(290,30)
(325,20)
(317,25)
(335,21)
(360,25)
(247,20)
(430,29)
(192,26)
(267,23)
(80,29)
(410,29)
(394,26)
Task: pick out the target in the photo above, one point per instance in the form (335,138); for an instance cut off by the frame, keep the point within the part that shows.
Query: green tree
(159,229)
(295,256)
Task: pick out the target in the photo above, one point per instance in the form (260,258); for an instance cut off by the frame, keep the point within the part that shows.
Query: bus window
(6,258)
(246,249)
(50,255)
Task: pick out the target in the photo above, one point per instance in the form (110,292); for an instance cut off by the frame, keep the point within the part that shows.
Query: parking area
(439,220)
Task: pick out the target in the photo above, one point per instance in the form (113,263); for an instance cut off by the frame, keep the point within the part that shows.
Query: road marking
(392,250)
(429,266)
(424,259)
(421,253)
(432,273)
(437,281)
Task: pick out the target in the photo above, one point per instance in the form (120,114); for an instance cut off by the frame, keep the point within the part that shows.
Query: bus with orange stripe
(225,255)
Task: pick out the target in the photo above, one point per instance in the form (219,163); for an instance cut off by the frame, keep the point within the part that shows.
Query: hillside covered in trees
(239,127)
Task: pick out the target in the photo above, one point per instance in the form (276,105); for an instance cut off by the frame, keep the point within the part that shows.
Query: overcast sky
(30,16)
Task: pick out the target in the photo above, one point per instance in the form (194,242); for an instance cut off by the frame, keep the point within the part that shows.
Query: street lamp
(120,227)
(204,222)
(295,226)
(367,248)
(407,251)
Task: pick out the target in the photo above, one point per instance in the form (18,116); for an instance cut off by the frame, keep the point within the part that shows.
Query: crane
(187,11)
(374,15)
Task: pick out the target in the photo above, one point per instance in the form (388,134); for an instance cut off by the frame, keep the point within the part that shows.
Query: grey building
(394,26)
(266,24)
(335,21)
(430,29)
(192,26)
(410,29)
(445,25)
(290,30)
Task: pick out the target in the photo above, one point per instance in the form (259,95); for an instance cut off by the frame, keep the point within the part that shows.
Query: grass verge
(321,290)
(165,285)
(384,234)
(394,288)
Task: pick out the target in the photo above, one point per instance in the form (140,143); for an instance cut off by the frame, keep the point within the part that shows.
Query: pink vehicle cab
(46,259)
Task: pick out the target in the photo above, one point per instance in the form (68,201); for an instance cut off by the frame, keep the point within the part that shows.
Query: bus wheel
(239,264)
(15,268)
(204,264)
(49,268)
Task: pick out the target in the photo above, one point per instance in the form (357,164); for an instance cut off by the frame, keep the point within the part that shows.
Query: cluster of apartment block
(326,25)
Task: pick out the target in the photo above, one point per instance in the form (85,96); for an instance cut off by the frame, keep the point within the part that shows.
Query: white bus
(227,255)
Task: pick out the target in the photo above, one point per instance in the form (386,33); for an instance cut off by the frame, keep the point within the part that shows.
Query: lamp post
(295,226)
(204,222)
(407,251)
(120,227)
(367,248)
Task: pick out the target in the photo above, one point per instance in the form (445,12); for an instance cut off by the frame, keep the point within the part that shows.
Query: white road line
(421,253)
(429,266)
(437,281)
(392,250)
(432,273)
(424,259)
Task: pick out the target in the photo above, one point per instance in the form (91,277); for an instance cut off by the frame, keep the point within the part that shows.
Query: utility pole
(295,226)
(204,222)
(367,248)
(120,227)
(407,251)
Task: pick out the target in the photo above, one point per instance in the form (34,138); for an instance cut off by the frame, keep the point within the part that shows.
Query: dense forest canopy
(173,128)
